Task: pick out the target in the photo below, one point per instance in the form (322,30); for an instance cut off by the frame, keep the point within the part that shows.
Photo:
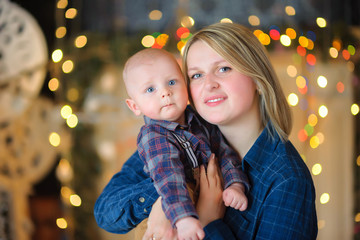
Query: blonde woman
(233,85)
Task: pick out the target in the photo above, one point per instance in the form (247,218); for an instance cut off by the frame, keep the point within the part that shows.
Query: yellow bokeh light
(310,45)
(61,223)
(357,217)
(321,22)
(53,84)
(333,52)
(62,4)
(291,33)
(65,111)
(264,38)
(57,55)
(314,142)
(316,169)
(354,109)
(155,15)
(300,82)
(71,13)
(148,41)
(187,21)
(291,70)
(285,40)
(358,161)
(60,32)
(72,121)
(54,139)
(80,41)
(303,41)
(67,66)
(75,200)
(323,111)
(290,10)
(322,81)
(293,99)
(324,198)
(254,20)
(226,20)
(312,120)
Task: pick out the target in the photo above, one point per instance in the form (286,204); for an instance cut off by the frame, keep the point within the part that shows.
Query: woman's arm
(127,199)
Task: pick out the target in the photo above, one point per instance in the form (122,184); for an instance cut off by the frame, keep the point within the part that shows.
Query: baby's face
(158,89)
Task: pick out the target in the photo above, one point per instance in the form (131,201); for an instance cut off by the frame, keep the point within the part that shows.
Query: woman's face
(221,94)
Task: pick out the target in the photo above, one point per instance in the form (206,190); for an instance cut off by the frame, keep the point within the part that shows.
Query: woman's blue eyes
(195,76)
(224,69)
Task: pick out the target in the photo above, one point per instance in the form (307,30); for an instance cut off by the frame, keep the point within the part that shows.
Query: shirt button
(141,199)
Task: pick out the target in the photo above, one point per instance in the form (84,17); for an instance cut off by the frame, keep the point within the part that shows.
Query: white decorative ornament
(23,60)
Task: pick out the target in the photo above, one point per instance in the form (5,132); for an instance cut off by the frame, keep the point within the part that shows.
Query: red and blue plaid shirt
(166,161)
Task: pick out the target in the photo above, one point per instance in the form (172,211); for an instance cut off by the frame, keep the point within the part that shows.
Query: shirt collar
(260,153)
(189,117)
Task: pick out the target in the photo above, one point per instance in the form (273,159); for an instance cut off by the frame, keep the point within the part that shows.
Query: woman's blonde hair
(241,48)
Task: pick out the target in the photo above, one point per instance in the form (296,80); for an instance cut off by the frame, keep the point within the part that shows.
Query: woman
(233,85)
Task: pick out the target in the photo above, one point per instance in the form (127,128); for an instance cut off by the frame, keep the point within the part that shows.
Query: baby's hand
(189,228)
(234,196)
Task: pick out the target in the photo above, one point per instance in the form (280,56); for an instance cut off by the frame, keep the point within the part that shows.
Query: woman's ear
(133,106)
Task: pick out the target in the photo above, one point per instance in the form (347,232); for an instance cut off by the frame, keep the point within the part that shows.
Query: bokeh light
(68,66)
(80,41)
(354,109)
(61,223)
(72,121)
(323,111)
(71,13)
(53,84)
(300,82)
(285,40)
(147,41)
(57,55)
(291,70)
(321,22)
(322,81)
(291,33)
(312,120)
(54,139)
(254,20)
(324,198)
(316,169)
(293,99)
(187,21)
(60,32)
(314,142)
(75,200)
(155,15)
(290,10)
(65,111)
(226,20)
(333,52)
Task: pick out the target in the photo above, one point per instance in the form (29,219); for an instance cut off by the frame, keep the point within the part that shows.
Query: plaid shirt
(281,200)
(166,161)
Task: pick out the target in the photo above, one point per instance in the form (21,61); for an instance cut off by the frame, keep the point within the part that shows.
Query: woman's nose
(211,82)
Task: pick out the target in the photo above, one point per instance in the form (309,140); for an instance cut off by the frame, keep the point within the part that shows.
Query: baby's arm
(189,228)
(234,196)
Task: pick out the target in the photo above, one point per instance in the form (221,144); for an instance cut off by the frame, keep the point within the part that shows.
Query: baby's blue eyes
(150,89)
(172,82)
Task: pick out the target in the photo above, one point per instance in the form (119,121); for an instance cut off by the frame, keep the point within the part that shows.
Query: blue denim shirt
(281,200)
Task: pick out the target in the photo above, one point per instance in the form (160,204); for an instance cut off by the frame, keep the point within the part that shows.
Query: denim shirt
(281,199)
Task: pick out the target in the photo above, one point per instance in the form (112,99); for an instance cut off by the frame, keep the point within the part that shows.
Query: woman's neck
(242,134)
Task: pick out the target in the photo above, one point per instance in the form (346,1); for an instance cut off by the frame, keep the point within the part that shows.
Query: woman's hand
(158,226)
(210,205)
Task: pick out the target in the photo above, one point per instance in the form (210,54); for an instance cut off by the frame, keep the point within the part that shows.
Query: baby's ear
(133,106)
